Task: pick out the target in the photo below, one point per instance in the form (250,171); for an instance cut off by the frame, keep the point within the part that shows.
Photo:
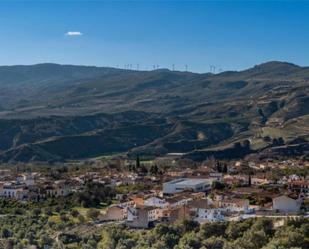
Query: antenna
(173,67)
(154,67)
(186,67)
(137,66)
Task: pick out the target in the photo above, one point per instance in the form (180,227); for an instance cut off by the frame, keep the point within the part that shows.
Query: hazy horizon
(150,67)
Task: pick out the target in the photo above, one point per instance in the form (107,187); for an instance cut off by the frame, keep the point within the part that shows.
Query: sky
(231,35)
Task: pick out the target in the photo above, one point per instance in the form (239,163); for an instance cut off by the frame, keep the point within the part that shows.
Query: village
(209,192)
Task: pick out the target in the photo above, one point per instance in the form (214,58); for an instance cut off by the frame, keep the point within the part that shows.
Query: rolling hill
(51,112)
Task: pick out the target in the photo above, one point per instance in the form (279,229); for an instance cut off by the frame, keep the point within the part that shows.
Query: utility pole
(212,68)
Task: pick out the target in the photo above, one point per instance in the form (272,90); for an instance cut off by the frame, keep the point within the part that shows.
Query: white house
(294,177)
(212,214)
(13,191)
(178,200)
(115,213)
(59,188)
(259,181)
(286,204)
(216,176)
(141,217)
(235,205)
(155,202)
(26,178)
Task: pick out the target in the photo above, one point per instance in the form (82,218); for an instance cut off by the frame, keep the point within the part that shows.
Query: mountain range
(51,112)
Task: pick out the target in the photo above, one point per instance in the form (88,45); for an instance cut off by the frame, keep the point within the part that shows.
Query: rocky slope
(51,112)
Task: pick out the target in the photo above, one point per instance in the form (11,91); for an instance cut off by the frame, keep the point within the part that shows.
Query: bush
(93,214)
(69,238)
(74,213)
(36,212)
(6,233)
(81,218)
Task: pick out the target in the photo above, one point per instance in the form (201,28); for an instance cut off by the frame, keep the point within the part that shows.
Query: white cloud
(73,33)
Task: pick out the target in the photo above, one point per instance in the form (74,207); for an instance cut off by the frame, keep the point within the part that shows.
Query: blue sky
(228,34)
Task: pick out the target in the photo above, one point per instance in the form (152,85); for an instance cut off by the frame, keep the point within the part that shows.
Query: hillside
(51,112)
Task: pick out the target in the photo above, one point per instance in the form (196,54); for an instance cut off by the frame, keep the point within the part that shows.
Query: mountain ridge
(185,111)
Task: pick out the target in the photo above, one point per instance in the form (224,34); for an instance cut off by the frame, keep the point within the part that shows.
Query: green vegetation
(249,234)
(47,222)
(94,195)
(20,231)
(125,189)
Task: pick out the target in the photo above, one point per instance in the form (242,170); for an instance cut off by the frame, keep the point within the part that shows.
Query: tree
(213,243)
(9,244)
(224,169)
(93,214)
(189,240)
(64,217)
(19,211)
(167,236)
(143,170)
(5,233)
(81,218)
(246,144)
(249,179)
(45,240)
(237,145)
(189,226)
(263,224)
(267,139)
(254,239)
(131,167)
(218,185)
(288,237)
(138,163)
(66,238)
(305,228)
(74,213)
(212,229)
(154,169)
(236,230)
(280,141)
(93,195)
(48,211)
(36,212)
(219,166)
